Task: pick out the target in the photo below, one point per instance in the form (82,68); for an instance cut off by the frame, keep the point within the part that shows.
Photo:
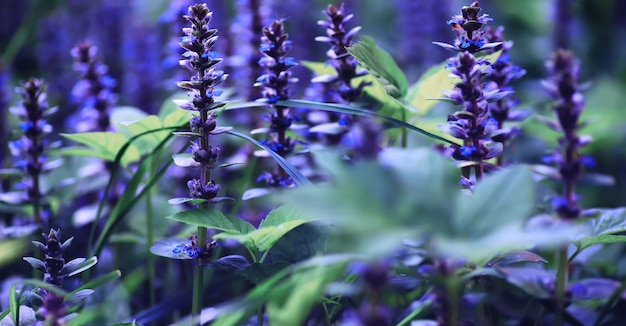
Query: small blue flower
(266,47)
(547,159)
(273,99)
(179,249)
(587,161)
(25,126)
(289,61)
(467,151)
(558,202)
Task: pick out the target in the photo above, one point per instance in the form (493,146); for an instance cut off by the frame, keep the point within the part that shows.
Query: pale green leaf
(381,65)
(213,219)
(107,145)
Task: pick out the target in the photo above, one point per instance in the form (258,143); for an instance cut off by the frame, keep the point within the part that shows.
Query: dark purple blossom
(276,82)
(31,147)
(563,87)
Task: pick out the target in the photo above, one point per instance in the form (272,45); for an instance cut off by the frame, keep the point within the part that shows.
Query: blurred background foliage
(134,38)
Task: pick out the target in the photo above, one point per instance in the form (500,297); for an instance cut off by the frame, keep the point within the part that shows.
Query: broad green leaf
(500,199)
(381,65)
(280,216)
(431,85)
(373,207)
(589,241)
(122,115)
(376,90)
(81,151)
(608,221)
(107,144)
(277,224)
(213,219)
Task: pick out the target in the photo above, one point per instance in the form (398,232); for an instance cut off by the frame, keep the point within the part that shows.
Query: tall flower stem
(561,283)
(569,102)
(201,60)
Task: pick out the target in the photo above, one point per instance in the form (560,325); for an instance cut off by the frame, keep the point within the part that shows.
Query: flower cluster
(199,58)
(94,91)
(55,271)
(30,148)
(503,72)
(563,88)
(346,66)
(276,82)
(468,26)
(473,124)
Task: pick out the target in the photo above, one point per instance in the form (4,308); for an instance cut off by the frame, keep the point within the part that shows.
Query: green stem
(150,240)
(561,284)
(451,313)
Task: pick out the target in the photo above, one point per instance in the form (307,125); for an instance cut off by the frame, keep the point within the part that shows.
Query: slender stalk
(451,314)
(150,241)
(561,284)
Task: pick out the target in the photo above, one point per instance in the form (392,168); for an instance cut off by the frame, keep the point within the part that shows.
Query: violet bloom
(503,73)
(563,87)
(94,91)
(276,82)
(472,124)
(200,59)
(30,148)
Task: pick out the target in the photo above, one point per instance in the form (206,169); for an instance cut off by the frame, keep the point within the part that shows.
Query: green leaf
(589,241)
(431,85)
(500,199)
(129,199)
(79,265)
(80,151)
(14,305)
(12,249)
(180,201)
(376,90)
(213,219)
(518,256)
(608,221)
(275,225)
(305,291)
(374,207)
(381,65)
(107,145)
(281,215)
